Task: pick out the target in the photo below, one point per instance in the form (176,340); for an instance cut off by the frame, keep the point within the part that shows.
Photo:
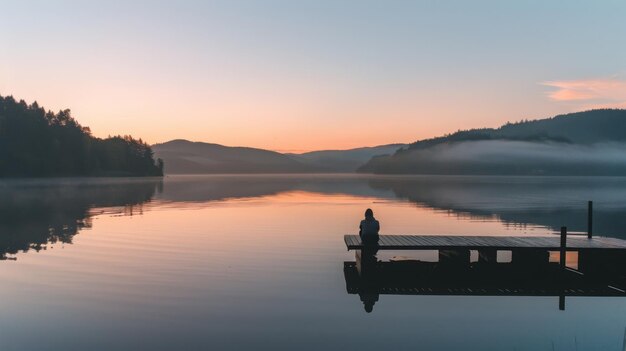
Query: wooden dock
(511,243)
(600,268)
(598,256)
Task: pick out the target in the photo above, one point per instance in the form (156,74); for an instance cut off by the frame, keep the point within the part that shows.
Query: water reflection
(370,279)
(36,213)
(199,189)
(33,213)
(254,262)
(550,202)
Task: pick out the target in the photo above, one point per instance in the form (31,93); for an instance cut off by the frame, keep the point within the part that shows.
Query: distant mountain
(186,157)
(583,143)
(344,160)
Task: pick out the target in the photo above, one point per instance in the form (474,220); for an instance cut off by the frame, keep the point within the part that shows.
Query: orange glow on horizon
(269,129)
(297,120)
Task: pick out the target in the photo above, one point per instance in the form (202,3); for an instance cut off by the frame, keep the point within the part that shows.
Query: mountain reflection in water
(34,213)
(549,202)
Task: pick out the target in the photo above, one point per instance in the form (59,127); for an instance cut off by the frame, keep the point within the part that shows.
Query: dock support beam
(590,219)
(530,258)
(454,258)
(602,263)
(488,256)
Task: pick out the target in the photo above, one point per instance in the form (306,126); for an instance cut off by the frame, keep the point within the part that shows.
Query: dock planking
(438,242)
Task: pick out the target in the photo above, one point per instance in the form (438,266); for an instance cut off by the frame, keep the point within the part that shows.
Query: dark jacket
(369,230)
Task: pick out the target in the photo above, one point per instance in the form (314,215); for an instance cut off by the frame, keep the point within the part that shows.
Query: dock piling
(590,219)
(563,248)
(562,264)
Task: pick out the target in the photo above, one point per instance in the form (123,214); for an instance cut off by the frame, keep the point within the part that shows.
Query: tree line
(39,143)
(586,127)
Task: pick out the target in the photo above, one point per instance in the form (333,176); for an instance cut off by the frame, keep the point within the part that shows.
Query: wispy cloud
(594,93)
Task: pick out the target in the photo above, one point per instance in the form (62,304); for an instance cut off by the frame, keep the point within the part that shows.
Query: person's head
(369,214)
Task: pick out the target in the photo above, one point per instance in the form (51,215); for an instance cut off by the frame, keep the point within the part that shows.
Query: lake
(256,262)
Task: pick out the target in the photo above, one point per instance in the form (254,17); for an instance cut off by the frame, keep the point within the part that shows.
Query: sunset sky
(306,75)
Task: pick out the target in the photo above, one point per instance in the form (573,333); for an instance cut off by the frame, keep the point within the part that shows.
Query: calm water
(256,262)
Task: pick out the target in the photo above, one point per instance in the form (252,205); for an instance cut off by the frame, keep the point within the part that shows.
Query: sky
(308,75)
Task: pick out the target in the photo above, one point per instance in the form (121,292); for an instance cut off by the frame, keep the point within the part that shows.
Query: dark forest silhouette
(587,127)
(36,143)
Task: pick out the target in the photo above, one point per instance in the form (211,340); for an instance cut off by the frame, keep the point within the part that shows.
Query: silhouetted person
(368,230)
(368,299)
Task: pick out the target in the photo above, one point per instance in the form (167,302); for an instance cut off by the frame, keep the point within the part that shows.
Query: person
(368,230)
(366,257)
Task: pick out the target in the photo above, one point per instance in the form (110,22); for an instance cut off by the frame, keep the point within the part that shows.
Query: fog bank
(507,157)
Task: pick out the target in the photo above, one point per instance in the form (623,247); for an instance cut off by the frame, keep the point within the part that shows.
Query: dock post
(563,251)
(562,264)
(590,219)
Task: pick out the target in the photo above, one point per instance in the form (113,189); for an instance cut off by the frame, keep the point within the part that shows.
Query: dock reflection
(370,278)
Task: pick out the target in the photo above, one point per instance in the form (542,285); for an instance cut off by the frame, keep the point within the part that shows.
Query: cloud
(601,92)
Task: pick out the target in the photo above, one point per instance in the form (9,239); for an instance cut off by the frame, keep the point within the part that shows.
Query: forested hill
(588,127)
(36,143)
(583,143)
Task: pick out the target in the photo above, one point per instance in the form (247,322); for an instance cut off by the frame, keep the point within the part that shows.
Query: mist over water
(509,157)
(502,150)
(231,262)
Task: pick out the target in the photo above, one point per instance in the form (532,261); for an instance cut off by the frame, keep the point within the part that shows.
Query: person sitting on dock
(368,230)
